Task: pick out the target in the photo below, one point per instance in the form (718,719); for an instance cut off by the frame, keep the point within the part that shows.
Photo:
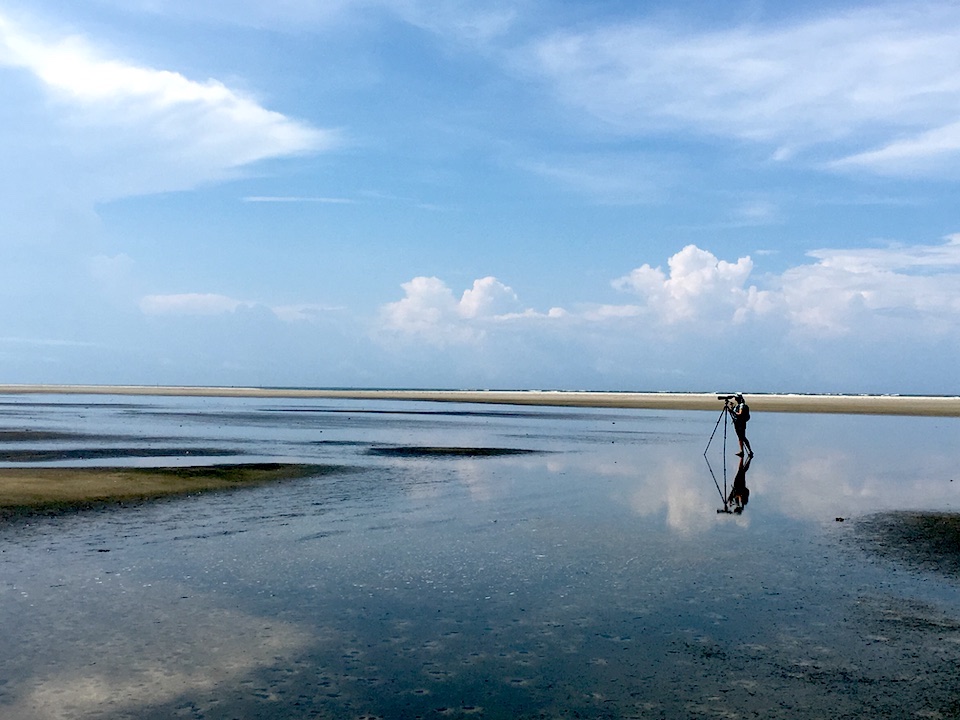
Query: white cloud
(870,293)
(191,304)
(303,312)
(865,295)
(487,298)
(758,212)
(297,199)
(602,313)
(209,304)
(934,152)
(456,18)
(463,20)
(913,290)
(621,179)
(111,269)
(432,312)
(132,129)
(886,77)
(911,258)
(699,286)
(699,289)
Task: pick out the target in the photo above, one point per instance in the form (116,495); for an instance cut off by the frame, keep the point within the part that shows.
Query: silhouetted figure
(740,412)
(740,493)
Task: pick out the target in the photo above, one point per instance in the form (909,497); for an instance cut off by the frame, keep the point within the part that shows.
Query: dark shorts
(741,429)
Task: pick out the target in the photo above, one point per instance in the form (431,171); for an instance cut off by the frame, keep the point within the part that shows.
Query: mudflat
(483,561)
(49,490)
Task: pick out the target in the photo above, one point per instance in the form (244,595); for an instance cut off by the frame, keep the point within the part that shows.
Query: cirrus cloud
(126,129)
(191,304)
(874,88)
(211,304)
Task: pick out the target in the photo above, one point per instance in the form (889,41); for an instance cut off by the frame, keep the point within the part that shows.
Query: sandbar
(49,490)
(939,406)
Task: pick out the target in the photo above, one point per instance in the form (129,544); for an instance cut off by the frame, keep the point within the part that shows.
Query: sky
(517,194)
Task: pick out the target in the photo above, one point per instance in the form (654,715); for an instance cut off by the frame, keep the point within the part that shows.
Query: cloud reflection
(174,657)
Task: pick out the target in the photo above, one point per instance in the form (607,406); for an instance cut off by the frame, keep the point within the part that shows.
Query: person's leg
(741,437)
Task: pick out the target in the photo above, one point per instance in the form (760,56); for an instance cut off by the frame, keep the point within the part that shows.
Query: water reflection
(740,493)
(592,576)
(156,655)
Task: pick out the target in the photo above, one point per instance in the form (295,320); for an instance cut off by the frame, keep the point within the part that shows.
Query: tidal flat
(26,491)
(442,560)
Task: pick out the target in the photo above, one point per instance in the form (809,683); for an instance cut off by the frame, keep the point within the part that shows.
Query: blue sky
(526,194)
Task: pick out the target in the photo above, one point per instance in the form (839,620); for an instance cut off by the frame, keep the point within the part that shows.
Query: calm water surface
(592,577)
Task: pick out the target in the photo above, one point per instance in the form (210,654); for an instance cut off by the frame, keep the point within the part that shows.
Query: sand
(943,406)
(27,491)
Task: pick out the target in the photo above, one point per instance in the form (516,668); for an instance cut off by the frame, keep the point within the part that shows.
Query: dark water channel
(585,572)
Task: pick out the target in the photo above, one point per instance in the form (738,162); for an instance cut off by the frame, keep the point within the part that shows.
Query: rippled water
(593,577)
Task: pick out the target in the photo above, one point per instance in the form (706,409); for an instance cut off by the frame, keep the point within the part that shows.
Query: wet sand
(942,406)
(484,561)
(51,490)
(27,491)
(925,540)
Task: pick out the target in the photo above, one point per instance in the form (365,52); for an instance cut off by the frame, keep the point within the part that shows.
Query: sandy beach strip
(52,490)
(942,406)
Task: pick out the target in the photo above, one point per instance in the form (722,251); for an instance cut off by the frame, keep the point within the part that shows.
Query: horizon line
(918,405)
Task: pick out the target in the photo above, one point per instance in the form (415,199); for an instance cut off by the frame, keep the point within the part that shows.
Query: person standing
(740,412)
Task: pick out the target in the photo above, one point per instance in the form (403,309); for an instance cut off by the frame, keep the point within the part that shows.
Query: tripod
(723,493)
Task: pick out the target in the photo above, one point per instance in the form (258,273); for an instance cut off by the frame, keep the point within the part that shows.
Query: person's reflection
(740,493)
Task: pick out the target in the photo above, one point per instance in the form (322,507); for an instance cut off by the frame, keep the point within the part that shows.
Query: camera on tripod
(726,398)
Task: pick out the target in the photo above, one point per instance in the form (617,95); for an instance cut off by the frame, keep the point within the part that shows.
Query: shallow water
(592,577)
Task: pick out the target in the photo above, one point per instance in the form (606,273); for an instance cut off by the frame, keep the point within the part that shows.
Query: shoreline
(925,406)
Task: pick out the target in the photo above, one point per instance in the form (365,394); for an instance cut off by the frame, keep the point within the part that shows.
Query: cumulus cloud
(431,311)
(883,80)
(133,129)
(487,298)
(698,286)
(911,289)
(871,294)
